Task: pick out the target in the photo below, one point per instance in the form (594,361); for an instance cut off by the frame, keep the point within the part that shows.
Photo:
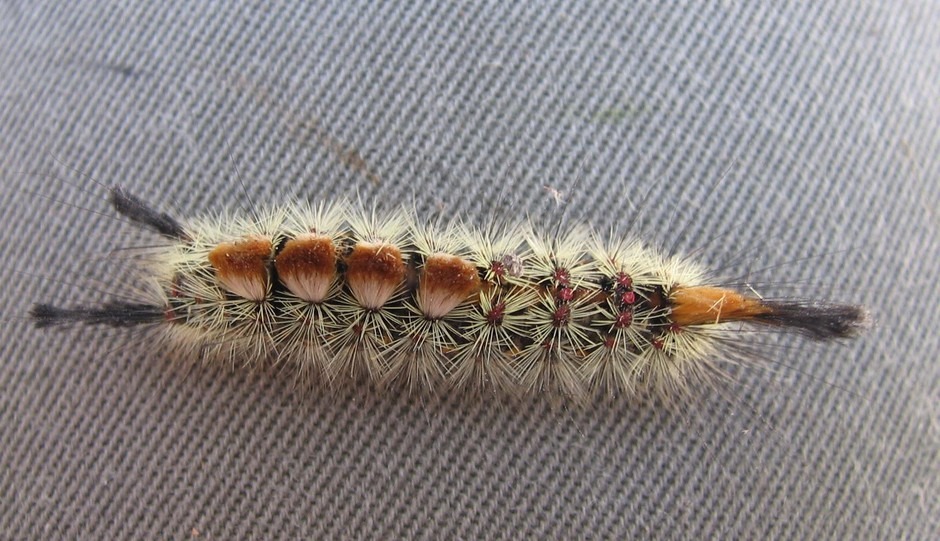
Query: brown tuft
(242,267)
(446,281)
(374,272)
(306,265)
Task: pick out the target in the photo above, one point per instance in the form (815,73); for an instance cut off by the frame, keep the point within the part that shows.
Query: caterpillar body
(342,294)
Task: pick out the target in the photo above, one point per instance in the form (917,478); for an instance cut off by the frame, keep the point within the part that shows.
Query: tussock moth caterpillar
(341,294)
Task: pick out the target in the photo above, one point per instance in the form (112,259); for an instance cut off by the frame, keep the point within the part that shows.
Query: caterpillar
(339,293)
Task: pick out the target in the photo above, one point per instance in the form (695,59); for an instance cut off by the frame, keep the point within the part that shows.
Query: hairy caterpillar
(342,294)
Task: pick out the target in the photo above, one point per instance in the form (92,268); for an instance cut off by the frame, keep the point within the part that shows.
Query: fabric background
(793,144)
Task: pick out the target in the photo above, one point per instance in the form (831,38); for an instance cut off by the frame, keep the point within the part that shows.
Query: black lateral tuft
(114,314)
(133,207)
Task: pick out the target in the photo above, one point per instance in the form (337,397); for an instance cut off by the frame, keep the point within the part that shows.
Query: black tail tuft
(818,320)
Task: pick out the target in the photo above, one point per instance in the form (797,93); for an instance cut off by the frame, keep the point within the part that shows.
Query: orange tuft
(708,305)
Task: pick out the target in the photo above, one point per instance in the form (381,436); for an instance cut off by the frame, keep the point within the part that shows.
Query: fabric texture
(793,147)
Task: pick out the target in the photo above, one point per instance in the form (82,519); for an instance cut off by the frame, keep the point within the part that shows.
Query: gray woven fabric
(794,145)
